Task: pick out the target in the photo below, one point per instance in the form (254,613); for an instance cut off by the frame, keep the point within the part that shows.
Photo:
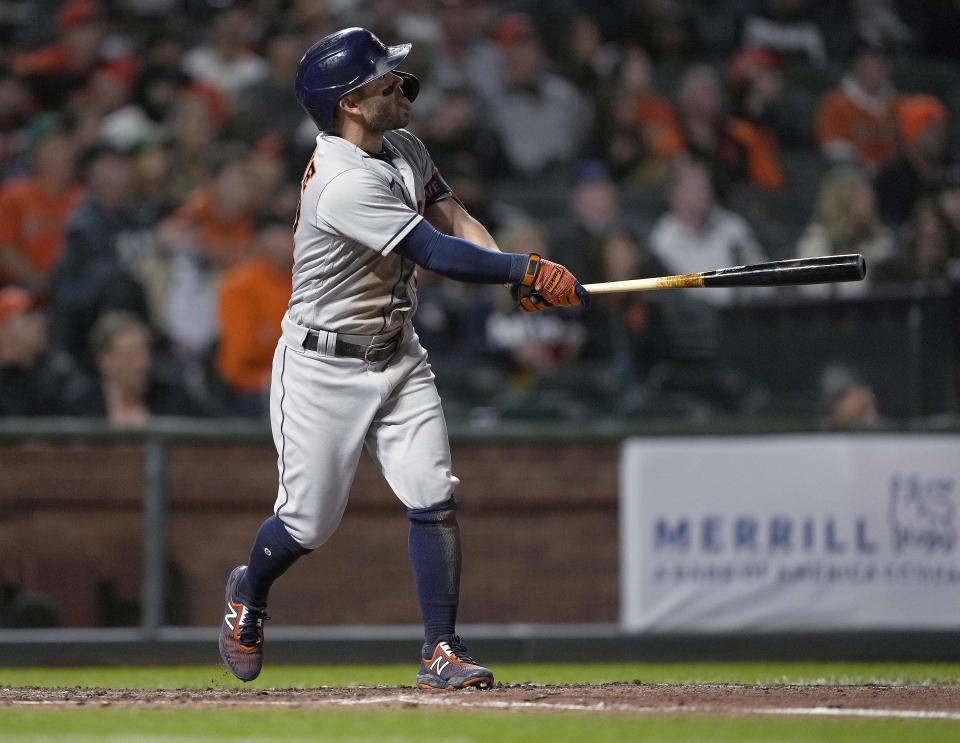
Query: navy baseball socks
(434,549)
(241,635)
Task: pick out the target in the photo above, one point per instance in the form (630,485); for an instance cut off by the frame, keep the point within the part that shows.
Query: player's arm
(449,216)
(547,283)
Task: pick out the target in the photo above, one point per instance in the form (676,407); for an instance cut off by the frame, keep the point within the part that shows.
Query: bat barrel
(828,268)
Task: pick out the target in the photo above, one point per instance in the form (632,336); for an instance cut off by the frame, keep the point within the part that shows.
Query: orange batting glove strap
(533,267)
(547,284)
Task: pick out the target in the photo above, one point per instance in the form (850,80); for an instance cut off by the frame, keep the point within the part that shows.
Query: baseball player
(349,371)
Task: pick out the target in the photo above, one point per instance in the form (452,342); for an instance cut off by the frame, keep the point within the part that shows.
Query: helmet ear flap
(410,85)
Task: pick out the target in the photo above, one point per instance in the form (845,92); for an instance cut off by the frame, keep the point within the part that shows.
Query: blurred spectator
(58,70)
(846,400)
(667,29)
(34,210)
(586,60)
(226,61)
(263,107)
(857,121)
(165,43)
(16,108)
(148,116)
(698,235)
(105,250)
(34,378)
(626,330)
(465,59)
(468,178)
(846,221)
(211,231)
(128,392)
(785,27)
(222,210)
(919,170)
(878,24)
(735,149)
(253,296)
(641,130)
(198,119)
(273,193)
(454,129)
(594,211)
(107,91)
(948,203)
(927,249)
(533,102)
(758,96)
(153,181)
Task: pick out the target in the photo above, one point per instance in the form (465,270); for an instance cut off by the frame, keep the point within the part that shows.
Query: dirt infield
(635,698)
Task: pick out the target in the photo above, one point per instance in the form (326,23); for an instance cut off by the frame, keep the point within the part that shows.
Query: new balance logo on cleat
(438,665)
(231,614)
(448,665)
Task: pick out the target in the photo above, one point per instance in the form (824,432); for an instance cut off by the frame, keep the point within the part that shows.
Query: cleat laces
(459,650)
(251,626)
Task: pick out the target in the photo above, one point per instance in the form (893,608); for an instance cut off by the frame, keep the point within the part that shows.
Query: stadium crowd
(151,153)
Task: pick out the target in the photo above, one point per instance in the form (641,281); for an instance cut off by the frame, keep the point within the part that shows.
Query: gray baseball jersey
(354,209)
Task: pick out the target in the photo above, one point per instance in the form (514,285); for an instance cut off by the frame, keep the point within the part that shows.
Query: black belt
(374,353)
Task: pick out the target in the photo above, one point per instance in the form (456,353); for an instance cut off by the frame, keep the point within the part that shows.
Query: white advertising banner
(790,532)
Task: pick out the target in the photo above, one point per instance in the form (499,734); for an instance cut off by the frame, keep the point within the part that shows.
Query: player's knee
(309,534)
(442,513)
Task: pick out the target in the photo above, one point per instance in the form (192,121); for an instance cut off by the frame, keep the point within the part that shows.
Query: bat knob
(582,296)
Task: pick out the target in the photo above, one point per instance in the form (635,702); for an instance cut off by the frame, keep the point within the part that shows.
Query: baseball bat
(821,270)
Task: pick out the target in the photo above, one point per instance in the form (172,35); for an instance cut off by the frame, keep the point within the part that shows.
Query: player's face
(383,105)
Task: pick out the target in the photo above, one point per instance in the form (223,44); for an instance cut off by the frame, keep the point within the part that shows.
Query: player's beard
(384,115)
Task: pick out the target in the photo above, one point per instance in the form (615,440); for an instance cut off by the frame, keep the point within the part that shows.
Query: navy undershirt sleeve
(459,259)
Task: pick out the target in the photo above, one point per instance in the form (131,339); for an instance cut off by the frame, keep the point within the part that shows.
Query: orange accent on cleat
(450,667)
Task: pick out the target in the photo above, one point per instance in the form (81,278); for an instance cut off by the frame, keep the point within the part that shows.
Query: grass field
(37,722)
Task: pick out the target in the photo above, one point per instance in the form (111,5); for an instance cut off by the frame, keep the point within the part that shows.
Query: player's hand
(548,284)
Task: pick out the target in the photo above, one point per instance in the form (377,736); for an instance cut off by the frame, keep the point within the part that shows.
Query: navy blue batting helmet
(342,62)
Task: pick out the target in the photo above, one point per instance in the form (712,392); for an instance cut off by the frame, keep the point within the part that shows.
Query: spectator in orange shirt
(759,95)
(34,210)
(735,149)
(645,134)
(56,71)
(857,122)
(252,299)
(221,211)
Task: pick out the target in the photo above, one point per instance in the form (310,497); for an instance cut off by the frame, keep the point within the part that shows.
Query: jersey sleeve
(359,205)
(436,189)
